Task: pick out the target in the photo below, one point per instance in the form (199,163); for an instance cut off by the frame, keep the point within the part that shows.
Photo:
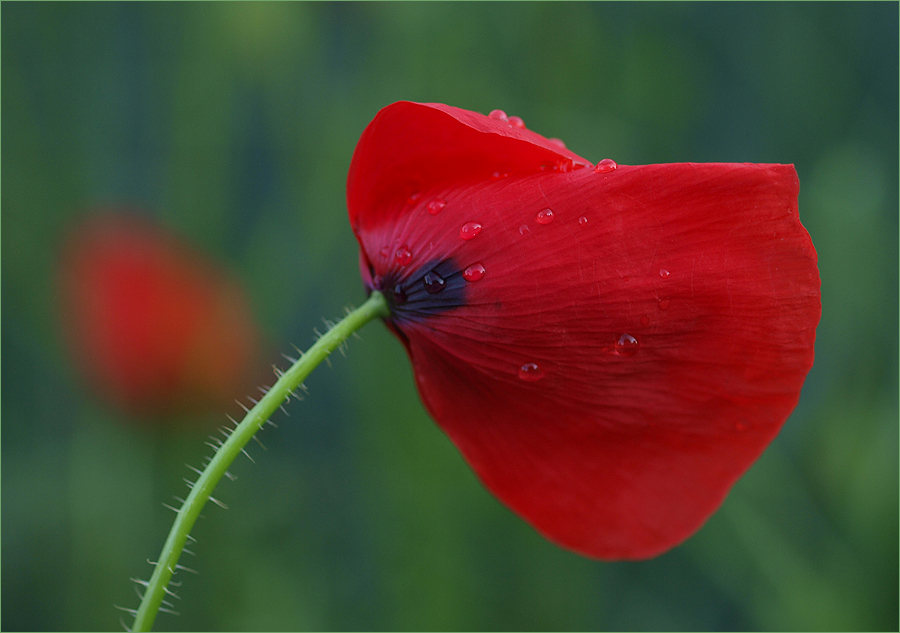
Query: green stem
(374,307)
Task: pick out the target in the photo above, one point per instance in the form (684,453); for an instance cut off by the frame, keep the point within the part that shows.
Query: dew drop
(582,220)
(399,295)
(531,372)
(524,230)
(378,282)
(434,283)
(386,252)
(664,304)
(645,320)
(627,345)
(475,272)
(605,166)
(499,175)
(403,256)
(469,230)
(413,197)
(557,142)
(435,206)
(500,115)
(663,273)
(517,122)
(544,216)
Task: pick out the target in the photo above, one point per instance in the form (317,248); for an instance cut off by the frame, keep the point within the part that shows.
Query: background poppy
(154,327)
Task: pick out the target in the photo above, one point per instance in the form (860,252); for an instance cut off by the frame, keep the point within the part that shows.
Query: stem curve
(167,563)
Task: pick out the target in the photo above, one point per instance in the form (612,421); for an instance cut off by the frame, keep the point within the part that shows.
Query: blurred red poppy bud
(152,325)
(610,347)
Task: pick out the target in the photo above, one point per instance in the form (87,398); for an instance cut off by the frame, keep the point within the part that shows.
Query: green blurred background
(233,124)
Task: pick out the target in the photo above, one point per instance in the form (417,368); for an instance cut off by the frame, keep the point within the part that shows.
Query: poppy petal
(411,147)
(610,350)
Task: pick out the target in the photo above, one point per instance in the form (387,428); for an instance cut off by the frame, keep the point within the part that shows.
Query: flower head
(154,327)
(610,347)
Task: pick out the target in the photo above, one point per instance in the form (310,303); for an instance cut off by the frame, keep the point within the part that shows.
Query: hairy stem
(375,306)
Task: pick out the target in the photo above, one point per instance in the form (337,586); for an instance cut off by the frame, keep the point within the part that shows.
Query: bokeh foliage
(233,124)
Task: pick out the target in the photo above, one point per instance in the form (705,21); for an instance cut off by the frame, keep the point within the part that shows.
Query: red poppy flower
(152,325)
(610,347)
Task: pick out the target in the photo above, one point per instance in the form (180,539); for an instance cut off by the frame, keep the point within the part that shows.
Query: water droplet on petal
(517,122)
(524,230)
(413,197)
(399,295)
(627,345)
(475,272)
(386,252)
(403,255)
(645,320)
(664,304)
(434,283)
(500,115)
(557,142)
(469,230)
(582,220)
(378,282)
(605,166)
(435,206)
(544,216)
(531,372)
(497,175)
(663,273)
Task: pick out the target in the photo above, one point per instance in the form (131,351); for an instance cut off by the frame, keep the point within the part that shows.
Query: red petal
(410,148)
(624,357)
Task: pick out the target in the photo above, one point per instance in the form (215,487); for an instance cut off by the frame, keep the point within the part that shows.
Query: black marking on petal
(408,295)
